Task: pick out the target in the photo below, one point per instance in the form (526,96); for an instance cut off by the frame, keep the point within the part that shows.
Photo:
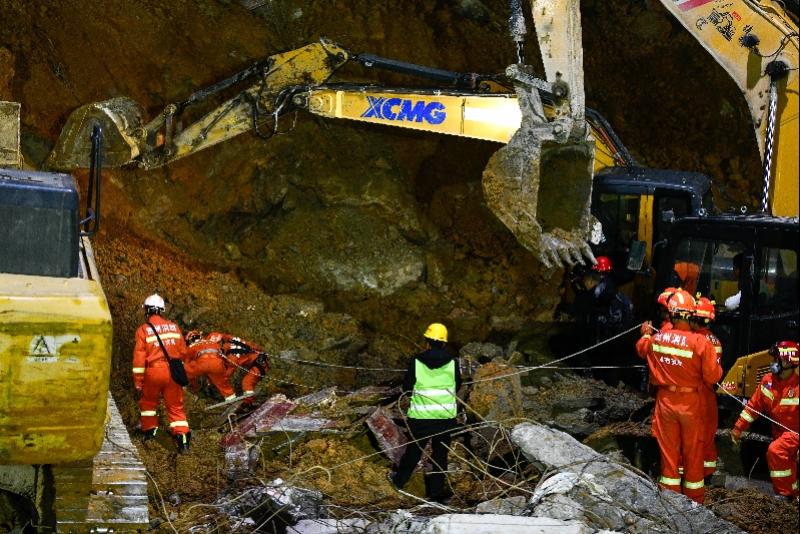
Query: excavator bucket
(541,191)
(540,184)
(121,122)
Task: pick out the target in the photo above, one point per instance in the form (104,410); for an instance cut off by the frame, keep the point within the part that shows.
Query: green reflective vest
(434,395)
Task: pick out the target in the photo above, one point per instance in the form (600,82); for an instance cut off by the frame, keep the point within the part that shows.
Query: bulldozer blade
(121,122)
(541,190)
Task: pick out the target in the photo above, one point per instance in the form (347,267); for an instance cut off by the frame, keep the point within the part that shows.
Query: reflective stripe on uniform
(178,423)
(230,397)
(432,392)
(680,470)
(669,481)
(767,393)
(694,485)
(435,407)
(138,370)
(780,474)
(718,349)
(672,351)
(248,392)
(790,402)
(148,413)
(710,464)
(795,486)
(746,416)
(168,335)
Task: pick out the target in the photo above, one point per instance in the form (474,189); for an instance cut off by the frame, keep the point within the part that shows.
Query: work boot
(150,434)
(182,441)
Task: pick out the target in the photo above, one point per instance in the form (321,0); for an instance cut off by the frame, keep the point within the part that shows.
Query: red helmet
(681,304)
(786,352)
(603,265)
(664,296)
(704,309)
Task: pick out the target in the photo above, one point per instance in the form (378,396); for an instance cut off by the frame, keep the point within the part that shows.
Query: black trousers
(421,430)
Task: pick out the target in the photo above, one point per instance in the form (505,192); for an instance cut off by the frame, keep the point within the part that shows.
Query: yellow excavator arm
(488,117)
(756,42)
(549,151)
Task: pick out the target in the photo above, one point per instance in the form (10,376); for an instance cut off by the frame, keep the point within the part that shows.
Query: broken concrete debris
(603,493)
(390,438)
(585,492)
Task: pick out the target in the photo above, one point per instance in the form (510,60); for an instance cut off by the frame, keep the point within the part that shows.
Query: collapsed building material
(269,507)
(390,438)
(404,523)
(508,506)
(269,413)
(604,493)
(508,524)
(328,526)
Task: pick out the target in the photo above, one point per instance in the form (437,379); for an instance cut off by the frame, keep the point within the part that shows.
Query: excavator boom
(547,153)
(758,45)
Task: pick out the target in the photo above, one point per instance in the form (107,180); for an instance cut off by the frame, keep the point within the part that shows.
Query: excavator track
(109,494)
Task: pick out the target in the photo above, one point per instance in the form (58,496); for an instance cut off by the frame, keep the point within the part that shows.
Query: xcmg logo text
(400,109)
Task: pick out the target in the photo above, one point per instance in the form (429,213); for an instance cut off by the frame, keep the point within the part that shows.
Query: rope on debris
(550,364)
(338,366)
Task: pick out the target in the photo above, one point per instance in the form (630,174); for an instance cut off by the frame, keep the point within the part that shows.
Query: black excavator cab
(748,265)
(636,207)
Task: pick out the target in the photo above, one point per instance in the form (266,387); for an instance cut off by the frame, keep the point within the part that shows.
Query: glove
(263,362)
(461,418)
(646,328)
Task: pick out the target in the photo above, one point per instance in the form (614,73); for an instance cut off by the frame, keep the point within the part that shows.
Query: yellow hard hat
(436,332)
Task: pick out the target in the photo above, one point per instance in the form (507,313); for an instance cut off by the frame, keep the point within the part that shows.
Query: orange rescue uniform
(205,357)
(682,364)
(777,399)
(247,357)
(712,415)
(151,374)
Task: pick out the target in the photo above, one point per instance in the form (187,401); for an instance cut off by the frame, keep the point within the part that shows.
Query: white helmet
(154,301)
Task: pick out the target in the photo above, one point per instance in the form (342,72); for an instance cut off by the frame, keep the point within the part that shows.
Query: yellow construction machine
(562,169)
(549,152)
(748,263)
(56,412)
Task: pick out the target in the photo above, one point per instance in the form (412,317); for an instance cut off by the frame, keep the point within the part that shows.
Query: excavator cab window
(777,280)
(709,267)
(677,204)
(619,215)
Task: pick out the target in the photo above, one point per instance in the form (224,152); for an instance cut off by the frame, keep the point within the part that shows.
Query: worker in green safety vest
(432,380)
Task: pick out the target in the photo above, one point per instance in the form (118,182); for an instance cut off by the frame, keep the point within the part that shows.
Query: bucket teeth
(540,184)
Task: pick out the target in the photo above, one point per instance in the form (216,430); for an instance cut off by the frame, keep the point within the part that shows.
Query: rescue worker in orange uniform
(681,364)
(663,297)
(151,375)
(218,355)
(704,314)
(205,357)
(777,397)
(249,357)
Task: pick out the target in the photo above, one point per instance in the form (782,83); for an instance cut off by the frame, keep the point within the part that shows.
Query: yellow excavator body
(55,363)
(743,377)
